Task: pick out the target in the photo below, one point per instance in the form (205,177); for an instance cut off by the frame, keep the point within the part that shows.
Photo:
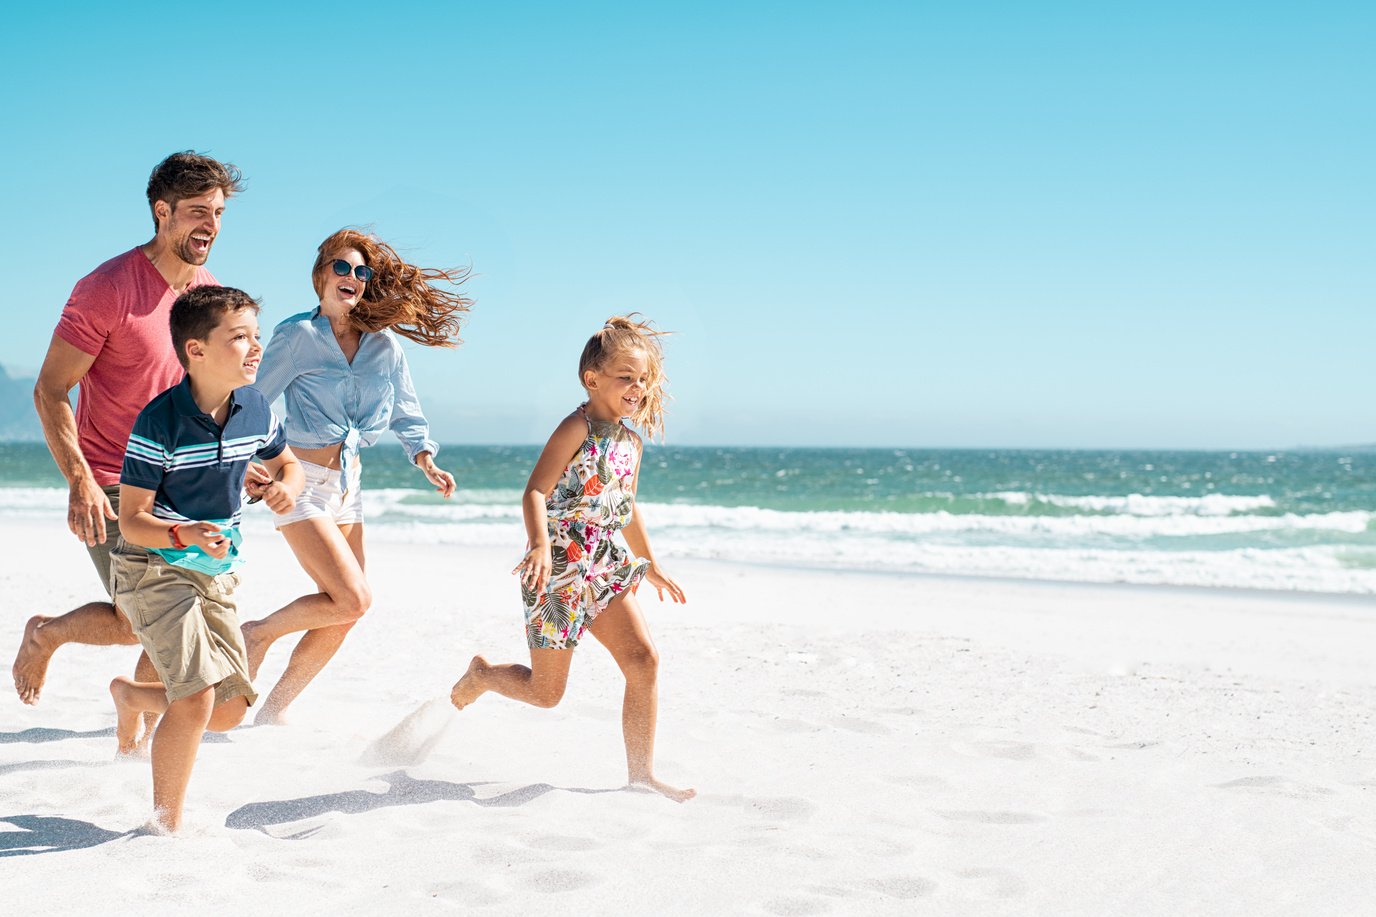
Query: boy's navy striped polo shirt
(196,468)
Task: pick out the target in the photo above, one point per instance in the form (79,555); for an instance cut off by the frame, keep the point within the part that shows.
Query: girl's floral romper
(590,503)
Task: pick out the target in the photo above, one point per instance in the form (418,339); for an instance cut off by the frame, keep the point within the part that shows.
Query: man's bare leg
(623,631)
(94,624)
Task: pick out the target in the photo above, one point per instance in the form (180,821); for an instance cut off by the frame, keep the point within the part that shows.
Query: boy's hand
(535,568)
(205,535)
(278,497)
(662,583)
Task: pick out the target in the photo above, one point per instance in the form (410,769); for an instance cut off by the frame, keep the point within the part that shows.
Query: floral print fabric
(591,502)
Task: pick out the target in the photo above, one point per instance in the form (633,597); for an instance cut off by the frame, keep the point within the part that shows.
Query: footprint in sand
(775,808)
(1003,883)
(795,906)
(558,881)
(990,818)
(1012,751)
(904,888)
(854,724)
(1276,786)
(562,842)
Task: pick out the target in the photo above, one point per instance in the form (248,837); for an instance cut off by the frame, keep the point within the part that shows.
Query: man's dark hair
(189,174)
(199,310)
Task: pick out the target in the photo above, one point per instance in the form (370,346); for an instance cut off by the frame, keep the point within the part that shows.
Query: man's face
(192,226)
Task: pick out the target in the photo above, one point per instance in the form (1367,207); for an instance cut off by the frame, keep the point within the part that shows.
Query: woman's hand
(663,583)
(535,568)
(443,480)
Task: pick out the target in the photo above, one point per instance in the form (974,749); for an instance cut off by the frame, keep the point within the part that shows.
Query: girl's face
(615,389)
(342,292)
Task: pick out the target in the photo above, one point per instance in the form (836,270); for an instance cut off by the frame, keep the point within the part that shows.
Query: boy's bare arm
(139,526)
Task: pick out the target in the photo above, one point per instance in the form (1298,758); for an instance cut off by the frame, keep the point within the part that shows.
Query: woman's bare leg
(333,556)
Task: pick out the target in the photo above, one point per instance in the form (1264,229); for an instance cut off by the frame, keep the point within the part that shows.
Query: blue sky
(890,224)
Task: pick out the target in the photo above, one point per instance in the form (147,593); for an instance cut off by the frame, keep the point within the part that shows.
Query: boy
(171,572)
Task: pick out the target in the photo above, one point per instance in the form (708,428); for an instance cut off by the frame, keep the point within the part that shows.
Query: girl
(346,380)
(574,577)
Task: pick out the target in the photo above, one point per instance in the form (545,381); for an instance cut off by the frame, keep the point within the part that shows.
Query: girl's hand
(443,480)
(662,583)
(535,568)
(205,535)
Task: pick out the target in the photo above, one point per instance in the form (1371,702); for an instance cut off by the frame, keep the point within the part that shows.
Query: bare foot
(31,663)
(128,717)
(659,786)
(256,644)
(470,687)
(269,716)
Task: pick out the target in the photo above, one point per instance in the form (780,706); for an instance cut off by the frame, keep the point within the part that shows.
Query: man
(113,340)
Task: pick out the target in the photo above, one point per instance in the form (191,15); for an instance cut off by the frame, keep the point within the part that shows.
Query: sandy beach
(861,744)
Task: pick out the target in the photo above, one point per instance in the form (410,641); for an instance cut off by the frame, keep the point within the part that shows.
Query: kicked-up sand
(860,744)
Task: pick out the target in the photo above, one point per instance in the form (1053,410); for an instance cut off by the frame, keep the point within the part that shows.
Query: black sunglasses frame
(343,268)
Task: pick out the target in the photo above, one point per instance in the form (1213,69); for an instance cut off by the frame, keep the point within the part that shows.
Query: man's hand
(87,510)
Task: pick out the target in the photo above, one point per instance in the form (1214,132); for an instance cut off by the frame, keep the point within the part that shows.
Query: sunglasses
(343,268)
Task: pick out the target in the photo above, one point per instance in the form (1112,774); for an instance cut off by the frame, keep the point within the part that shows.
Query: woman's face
(341,292)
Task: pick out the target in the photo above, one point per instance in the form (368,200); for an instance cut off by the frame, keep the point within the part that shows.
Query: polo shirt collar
(187,406)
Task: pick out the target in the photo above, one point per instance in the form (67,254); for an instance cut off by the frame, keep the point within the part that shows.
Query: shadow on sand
(403,790)
(37,735)
(48,834)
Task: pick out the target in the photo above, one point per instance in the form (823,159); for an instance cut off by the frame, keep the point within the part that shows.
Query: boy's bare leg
(333,557)
(540,684)
(133,701)
(174,754)
(314,649)
(623,631)
(95,624)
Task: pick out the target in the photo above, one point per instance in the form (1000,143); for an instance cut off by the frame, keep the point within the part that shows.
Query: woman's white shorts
(325,496)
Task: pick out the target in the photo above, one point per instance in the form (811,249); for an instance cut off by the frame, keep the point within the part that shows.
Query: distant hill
(18,420)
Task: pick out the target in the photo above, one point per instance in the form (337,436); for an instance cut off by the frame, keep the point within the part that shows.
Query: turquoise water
(1299,520)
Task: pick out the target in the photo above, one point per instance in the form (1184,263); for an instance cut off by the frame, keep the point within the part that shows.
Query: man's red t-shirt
(118,314)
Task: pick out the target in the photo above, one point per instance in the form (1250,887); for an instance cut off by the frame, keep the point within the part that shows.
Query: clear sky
(890,224)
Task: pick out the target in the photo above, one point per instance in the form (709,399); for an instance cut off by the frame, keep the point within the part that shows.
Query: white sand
(861,744)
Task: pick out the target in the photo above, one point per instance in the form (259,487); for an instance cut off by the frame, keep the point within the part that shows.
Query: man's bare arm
(87,505)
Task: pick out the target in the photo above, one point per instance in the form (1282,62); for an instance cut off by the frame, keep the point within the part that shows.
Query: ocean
(1264,520)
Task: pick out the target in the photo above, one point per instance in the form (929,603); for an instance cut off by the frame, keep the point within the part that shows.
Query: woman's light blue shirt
(330,400)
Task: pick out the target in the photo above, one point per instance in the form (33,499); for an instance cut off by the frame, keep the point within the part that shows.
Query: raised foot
(31,662)
(256,645)
(651,785)
(470,687)
(270,716)
(127,717)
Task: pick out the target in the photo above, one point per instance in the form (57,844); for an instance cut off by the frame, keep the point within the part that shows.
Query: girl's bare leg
(333,556)
(623,631)
(541,684)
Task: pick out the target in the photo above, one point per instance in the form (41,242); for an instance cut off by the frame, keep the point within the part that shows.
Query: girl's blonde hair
(620,334)
(400,296)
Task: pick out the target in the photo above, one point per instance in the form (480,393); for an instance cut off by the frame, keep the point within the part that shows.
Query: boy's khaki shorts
(186,620)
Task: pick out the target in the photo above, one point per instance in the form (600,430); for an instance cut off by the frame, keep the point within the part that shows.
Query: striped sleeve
(145,459)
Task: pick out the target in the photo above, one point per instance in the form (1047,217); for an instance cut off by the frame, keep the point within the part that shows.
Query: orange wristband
(175,538)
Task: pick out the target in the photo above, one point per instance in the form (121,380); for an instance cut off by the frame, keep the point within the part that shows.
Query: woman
(346,381)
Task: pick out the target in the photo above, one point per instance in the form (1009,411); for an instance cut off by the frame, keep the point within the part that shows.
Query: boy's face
(229,355)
